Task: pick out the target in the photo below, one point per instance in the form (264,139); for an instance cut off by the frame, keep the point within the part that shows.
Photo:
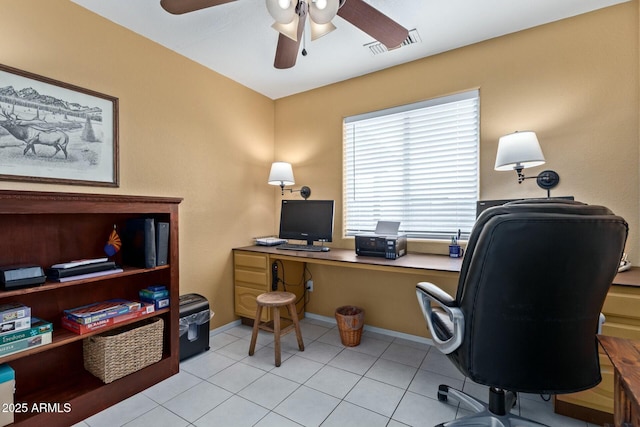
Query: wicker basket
(125,350)
(350,324)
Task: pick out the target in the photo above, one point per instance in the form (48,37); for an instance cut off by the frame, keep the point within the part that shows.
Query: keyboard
(308,248)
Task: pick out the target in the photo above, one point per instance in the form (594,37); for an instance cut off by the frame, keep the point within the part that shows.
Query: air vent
(377,48)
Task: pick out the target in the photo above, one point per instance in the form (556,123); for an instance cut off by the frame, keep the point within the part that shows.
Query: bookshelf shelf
(45,228)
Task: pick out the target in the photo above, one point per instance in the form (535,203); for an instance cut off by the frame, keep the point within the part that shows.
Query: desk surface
(410,263)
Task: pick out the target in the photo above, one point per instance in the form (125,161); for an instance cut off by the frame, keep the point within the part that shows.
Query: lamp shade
(319,30)
(323,11)
(283,11)
(281,174)
(519,149)
(290,30)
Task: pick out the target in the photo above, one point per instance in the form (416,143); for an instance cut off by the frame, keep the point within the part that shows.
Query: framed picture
(56,132)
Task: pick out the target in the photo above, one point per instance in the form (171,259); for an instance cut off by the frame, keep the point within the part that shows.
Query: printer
(385,242)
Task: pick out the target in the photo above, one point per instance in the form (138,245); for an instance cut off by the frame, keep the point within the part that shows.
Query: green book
(38,327)
(25,344)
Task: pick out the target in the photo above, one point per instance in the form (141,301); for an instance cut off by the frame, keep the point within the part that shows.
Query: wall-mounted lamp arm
(545,179)
(305,191)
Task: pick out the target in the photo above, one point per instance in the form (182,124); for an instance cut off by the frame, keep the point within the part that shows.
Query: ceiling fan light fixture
(290,29)
(323,11)
(283,11)
(319,30)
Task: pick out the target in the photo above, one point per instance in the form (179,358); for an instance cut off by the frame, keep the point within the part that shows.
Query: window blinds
(417,164)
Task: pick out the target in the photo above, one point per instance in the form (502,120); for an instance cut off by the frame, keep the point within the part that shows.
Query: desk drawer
(253,279)
(254,261)
(245,303)
(614,328)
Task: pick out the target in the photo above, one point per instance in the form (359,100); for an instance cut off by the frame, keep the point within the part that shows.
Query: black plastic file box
(194,325)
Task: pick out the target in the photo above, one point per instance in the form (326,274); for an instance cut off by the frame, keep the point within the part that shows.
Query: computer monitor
(310,220)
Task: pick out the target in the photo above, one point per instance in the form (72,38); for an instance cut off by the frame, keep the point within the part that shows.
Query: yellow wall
(186,131)
(574,82)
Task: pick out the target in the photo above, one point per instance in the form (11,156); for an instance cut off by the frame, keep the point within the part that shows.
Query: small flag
(113,244)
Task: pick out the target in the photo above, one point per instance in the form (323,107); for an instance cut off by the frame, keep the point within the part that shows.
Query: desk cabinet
(252,277)
(622,312)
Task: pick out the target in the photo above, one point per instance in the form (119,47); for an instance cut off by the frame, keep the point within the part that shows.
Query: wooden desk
(253,275)
(625,357)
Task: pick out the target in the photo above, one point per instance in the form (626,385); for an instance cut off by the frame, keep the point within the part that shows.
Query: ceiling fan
(290,17)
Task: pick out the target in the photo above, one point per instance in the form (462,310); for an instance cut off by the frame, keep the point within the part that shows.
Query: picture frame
(56,132)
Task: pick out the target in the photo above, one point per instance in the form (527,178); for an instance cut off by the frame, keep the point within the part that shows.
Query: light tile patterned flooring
(385,381)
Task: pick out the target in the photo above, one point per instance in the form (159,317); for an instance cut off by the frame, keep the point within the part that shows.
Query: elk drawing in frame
(32,132)
(55,132)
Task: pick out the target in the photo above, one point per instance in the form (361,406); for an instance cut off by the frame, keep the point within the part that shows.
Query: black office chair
(533,281)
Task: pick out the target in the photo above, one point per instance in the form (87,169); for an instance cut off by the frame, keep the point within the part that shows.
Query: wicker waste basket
(125,350)
(350,323)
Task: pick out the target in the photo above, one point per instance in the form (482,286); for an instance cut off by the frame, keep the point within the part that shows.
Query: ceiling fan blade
(373,22)
(287,49)
(178,7)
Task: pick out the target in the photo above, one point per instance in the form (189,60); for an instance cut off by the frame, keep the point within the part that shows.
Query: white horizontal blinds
(417,164)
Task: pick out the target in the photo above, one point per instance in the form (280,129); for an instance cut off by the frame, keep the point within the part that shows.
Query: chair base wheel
(443,390)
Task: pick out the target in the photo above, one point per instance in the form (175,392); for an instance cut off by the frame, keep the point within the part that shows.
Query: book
(158,302)
(38,327)
(162,243)
(145,293)
(56,273)
(100,310)
(25,344)
(13,311)
(89,275)
(14,317)
(139,243)
(71,325)
(79,262)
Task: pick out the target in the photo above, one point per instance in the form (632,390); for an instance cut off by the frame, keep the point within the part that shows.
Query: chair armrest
(446,315)
(436,294)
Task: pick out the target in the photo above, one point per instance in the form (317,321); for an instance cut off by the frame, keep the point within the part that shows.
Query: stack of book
(89,318)
(157,295)
(82,269)
(20,331)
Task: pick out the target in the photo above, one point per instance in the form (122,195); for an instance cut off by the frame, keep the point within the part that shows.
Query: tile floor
(385,381)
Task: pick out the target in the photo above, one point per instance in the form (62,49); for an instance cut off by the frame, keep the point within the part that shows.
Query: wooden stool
(276,300)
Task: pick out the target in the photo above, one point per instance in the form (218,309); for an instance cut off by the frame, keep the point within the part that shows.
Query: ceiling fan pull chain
(304,42)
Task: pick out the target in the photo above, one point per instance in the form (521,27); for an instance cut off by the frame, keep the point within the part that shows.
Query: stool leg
(294,316)
(276,333)
(254,334)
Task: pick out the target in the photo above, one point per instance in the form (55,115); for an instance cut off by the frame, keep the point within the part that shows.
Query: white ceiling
(237,41)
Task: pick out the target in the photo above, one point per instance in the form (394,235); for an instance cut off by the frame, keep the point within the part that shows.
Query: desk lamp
(521,150)
(282,175)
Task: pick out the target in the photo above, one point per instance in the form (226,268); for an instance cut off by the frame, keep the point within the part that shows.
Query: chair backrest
(533,282)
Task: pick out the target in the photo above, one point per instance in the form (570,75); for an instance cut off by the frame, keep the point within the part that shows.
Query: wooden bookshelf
(45,228)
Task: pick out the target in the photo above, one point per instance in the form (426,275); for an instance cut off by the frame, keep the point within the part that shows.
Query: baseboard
(332,320)
(223,328)
(382,331)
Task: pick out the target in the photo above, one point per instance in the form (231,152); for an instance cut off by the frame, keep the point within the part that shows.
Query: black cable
(301,283)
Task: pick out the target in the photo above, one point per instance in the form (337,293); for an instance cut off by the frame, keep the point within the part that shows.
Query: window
(417,164)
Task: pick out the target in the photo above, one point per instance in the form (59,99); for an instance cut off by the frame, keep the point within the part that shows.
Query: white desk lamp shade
(519,149)
(281,174)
